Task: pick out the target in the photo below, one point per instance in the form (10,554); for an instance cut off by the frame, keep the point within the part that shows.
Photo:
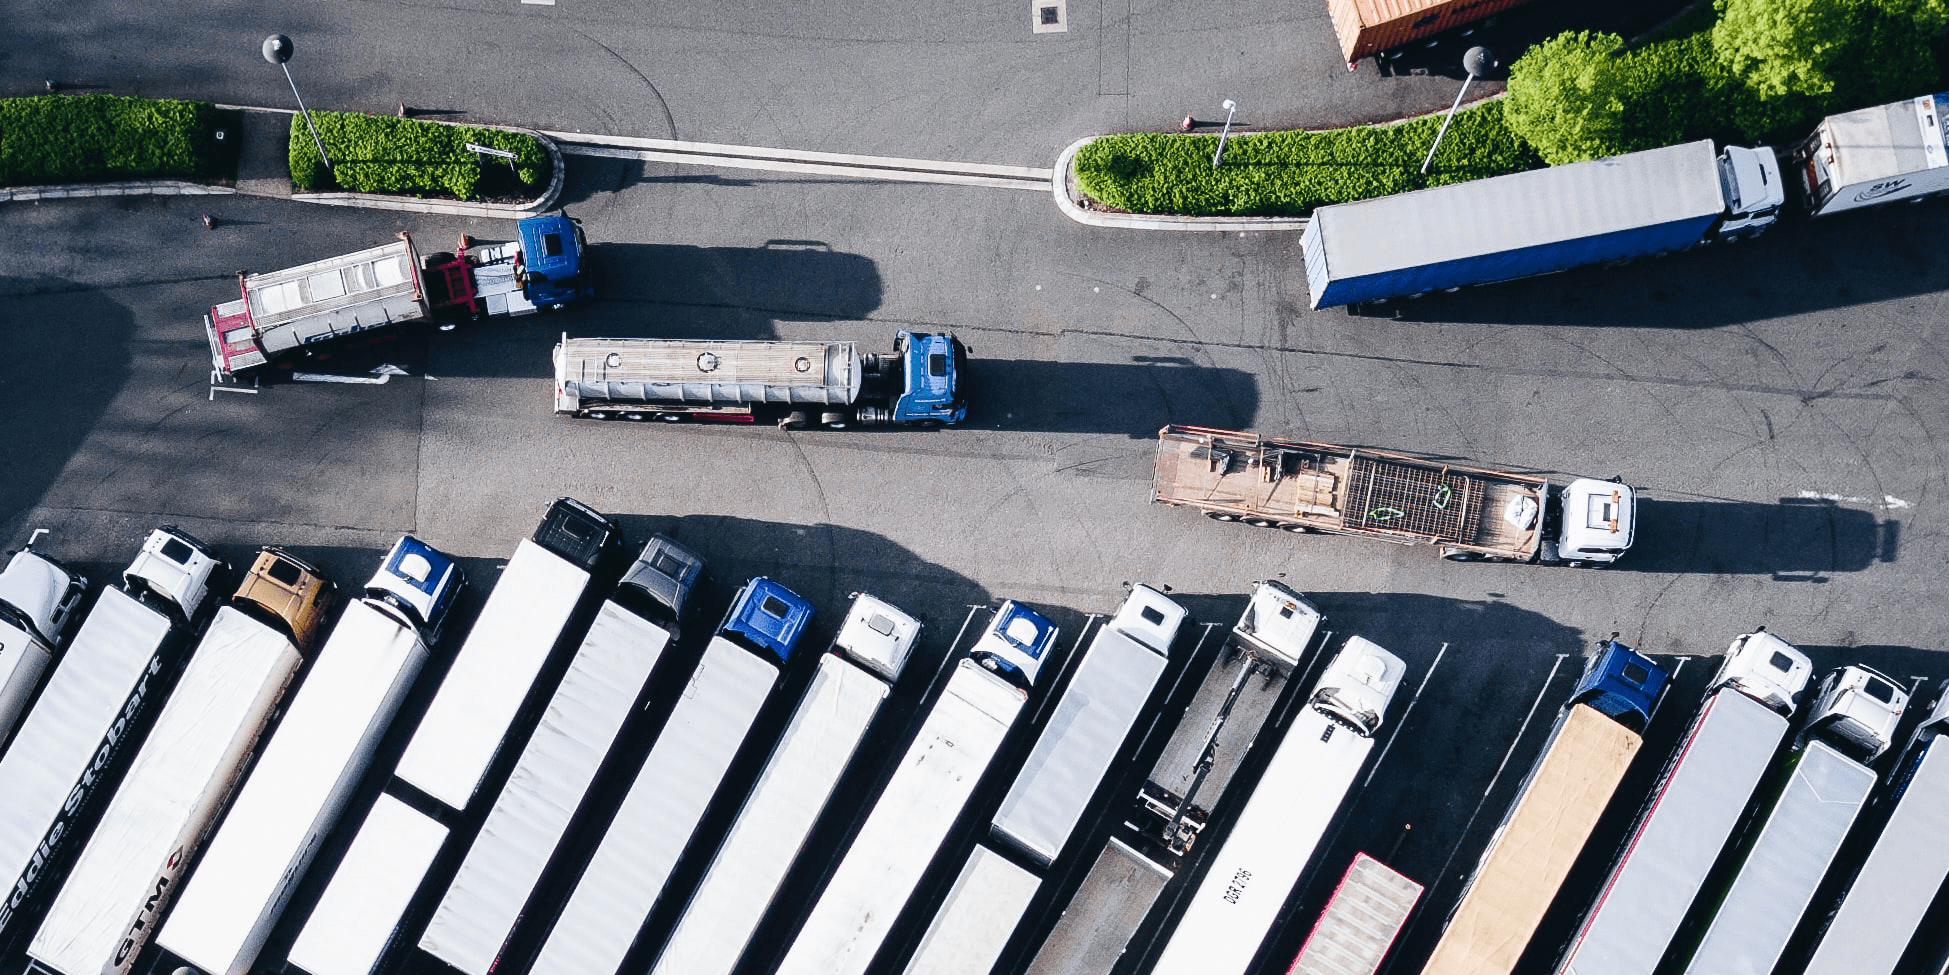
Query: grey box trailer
(976,919)
(515,634)
(187,769)
(356,919)
(314,762)
(93,712)
(797,783)
(579,729)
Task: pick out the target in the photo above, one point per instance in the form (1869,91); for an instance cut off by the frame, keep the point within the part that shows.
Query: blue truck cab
(1015,644)
(766,618)
(1622,683)
(554,261)
(931,366)
(418,585)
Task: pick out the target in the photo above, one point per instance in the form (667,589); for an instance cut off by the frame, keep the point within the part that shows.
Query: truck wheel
(1260,523)
(1221,516)
(598,414)
(636,416)
(794,420)
(1454,555)
(835,421)
(1298,529)
(928,425)
(670,417)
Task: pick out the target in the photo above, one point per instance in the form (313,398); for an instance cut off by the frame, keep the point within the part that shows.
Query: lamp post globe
(1478,61)
(277,49)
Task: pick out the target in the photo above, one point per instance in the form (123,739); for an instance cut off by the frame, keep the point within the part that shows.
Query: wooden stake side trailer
(1312,487)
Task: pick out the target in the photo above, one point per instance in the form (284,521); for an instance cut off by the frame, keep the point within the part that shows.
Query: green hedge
(1290,173)
(95,138)
(380,154)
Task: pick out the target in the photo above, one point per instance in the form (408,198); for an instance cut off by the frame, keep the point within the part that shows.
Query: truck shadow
(45,422)
(1796,540)
(1797,267)
(1133,398)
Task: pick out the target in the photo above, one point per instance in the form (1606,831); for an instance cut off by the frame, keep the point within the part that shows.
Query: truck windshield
(1360,721)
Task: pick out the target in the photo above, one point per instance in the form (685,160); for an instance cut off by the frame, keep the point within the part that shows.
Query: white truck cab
(174,566)
(1858,708)
(877,636)
(1358,684)
(1765,668)
(1600,521)
(1150,618)
(39,592)
(1278,625)
(1753,188)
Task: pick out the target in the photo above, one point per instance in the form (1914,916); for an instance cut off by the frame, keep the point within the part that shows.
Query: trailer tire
(598,414)
(835,421)
(1221,516)
(1298,529)
(634,415)
(794,420)
(1261,522)
(1454,555)
(670,417)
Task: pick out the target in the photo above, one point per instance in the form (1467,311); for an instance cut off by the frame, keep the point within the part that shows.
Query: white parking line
(1402,721)
(806,161)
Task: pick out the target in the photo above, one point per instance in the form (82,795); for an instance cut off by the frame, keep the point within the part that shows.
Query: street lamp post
(1231,108)
(1478,60)
(277,50)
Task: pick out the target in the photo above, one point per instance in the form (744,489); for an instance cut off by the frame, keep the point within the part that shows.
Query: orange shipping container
(1371,26)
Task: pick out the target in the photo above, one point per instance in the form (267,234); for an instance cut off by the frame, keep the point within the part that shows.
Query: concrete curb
(150,187)
(1069,201)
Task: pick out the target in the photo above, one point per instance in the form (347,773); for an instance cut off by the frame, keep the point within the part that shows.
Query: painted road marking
(1402,722)
(806,162)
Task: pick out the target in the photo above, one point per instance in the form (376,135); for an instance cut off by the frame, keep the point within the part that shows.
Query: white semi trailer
(1802,820)
(313,763)
(1287,816)
(798,780)
(471,926)
(185,773)
(1692,811)
(94,710)
(38,599)
(935,778)
(356,919)
(672,790)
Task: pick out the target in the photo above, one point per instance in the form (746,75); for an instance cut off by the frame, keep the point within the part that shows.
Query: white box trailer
(312,765)
(1287,816)
(974,922)
(93,711)
(1691,812)
(1359,923)
(672,790)
(549,782)
(514,636)
(1874,155)
(353,924)
(798,780)
(1884,903)
(185,772)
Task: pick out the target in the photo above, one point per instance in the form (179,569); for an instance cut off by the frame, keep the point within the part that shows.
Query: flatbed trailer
(1470,513)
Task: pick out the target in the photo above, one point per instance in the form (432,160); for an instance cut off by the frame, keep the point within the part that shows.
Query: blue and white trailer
(672,790)
(313,764)
(1538,222)
(825,731)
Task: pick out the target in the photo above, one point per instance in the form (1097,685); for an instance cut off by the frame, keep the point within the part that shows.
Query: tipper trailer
(580,727)
(95,709)
(278,313)
(1538,222)
(794,384)
(184,774)
(38,599)
(1161,826)
(1801,819)
(673,788)
(825,730)
(1885,900)
(933,781)
(313,763)
(1359,923)
(515,634)
(1693,809)
(1469,513)
(1082,737)
(1589,749)
(1312,771)
(355,922)
(1873,155)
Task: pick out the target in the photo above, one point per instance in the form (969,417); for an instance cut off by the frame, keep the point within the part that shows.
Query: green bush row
(381,154)
(1290,173)
(93,138)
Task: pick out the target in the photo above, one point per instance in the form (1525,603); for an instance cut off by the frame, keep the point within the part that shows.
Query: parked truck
(1084,735)
(1885,899)
(1589,749)
(185,772)
(826,729)
(1469,513)
(1360,922)
(94,711)
(1692,811)
(38,599)
(1540,221)
(1231,911)
(1801,818)
(313,763)
(1237,696)
(279,313)
(354,925)
(515,634)
(934,779)
(672,790)
(1874,155)
(607,676)
(795,384)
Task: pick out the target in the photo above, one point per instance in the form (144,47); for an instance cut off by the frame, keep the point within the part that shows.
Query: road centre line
(806,161)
